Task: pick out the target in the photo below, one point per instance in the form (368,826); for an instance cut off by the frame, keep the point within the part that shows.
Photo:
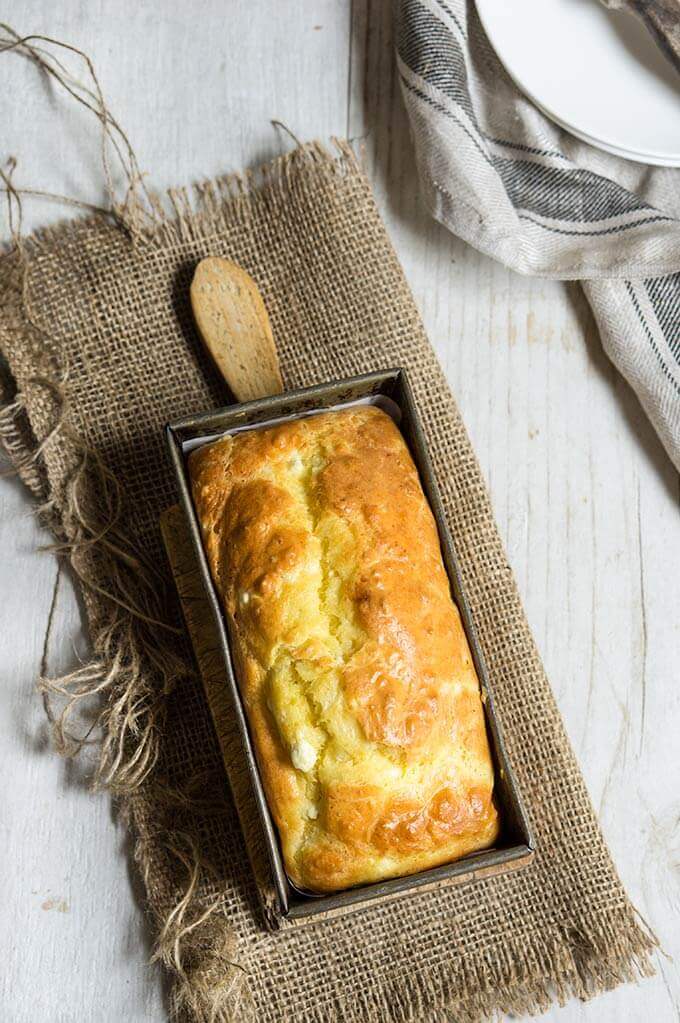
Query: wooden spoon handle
(232,320)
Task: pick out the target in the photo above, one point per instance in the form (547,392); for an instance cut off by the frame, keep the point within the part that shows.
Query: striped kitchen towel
(501,175)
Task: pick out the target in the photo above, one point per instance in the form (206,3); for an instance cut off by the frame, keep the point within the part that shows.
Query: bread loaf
(353,665)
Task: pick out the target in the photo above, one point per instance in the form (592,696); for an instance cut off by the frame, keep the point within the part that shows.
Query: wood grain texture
(585,498)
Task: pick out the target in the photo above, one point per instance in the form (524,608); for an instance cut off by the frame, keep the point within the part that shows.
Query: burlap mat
(96,328)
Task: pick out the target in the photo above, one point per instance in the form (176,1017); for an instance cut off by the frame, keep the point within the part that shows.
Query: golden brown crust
(350,654)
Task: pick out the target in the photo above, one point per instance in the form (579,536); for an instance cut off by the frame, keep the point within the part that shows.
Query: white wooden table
(585,498)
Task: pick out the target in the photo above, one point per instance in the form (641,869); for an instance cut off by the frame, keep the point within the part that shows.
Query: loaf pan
(515,847)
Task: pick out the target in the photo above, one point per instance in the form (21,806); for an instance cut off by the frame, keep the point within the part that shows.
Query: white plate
(597,73)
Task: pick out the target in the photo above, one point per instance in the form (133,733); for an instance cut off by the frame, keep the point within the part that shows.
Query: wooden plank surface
(585,498)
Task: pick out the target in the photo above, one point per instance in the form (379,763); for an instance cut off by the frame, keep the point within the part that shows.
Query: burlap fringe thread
(127,646)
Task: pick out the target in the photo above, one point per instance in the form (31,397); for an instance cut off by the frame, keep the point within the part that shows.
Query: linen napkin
(501,175)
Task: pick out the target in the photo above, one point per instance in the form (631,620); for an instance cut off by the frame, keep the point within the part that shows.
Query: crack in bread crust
(350,654)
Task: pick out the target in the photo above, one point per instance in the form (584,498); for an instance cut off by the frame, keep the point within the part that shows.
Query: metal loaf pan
(515,846)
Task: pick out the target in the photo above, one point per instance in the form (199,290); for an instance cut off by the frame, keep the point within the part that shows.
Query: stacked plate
(598,73)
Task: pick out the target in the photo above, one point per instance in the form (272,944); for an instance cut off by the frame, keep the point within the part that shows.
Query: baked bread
(356,676)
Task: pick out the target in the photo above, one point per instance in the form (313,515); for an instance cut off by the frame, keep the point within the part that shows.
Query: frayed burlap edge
(210,983)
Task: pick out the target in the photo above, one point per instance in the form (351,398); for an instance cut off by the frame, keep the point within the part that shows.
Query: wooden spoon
(232,320)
